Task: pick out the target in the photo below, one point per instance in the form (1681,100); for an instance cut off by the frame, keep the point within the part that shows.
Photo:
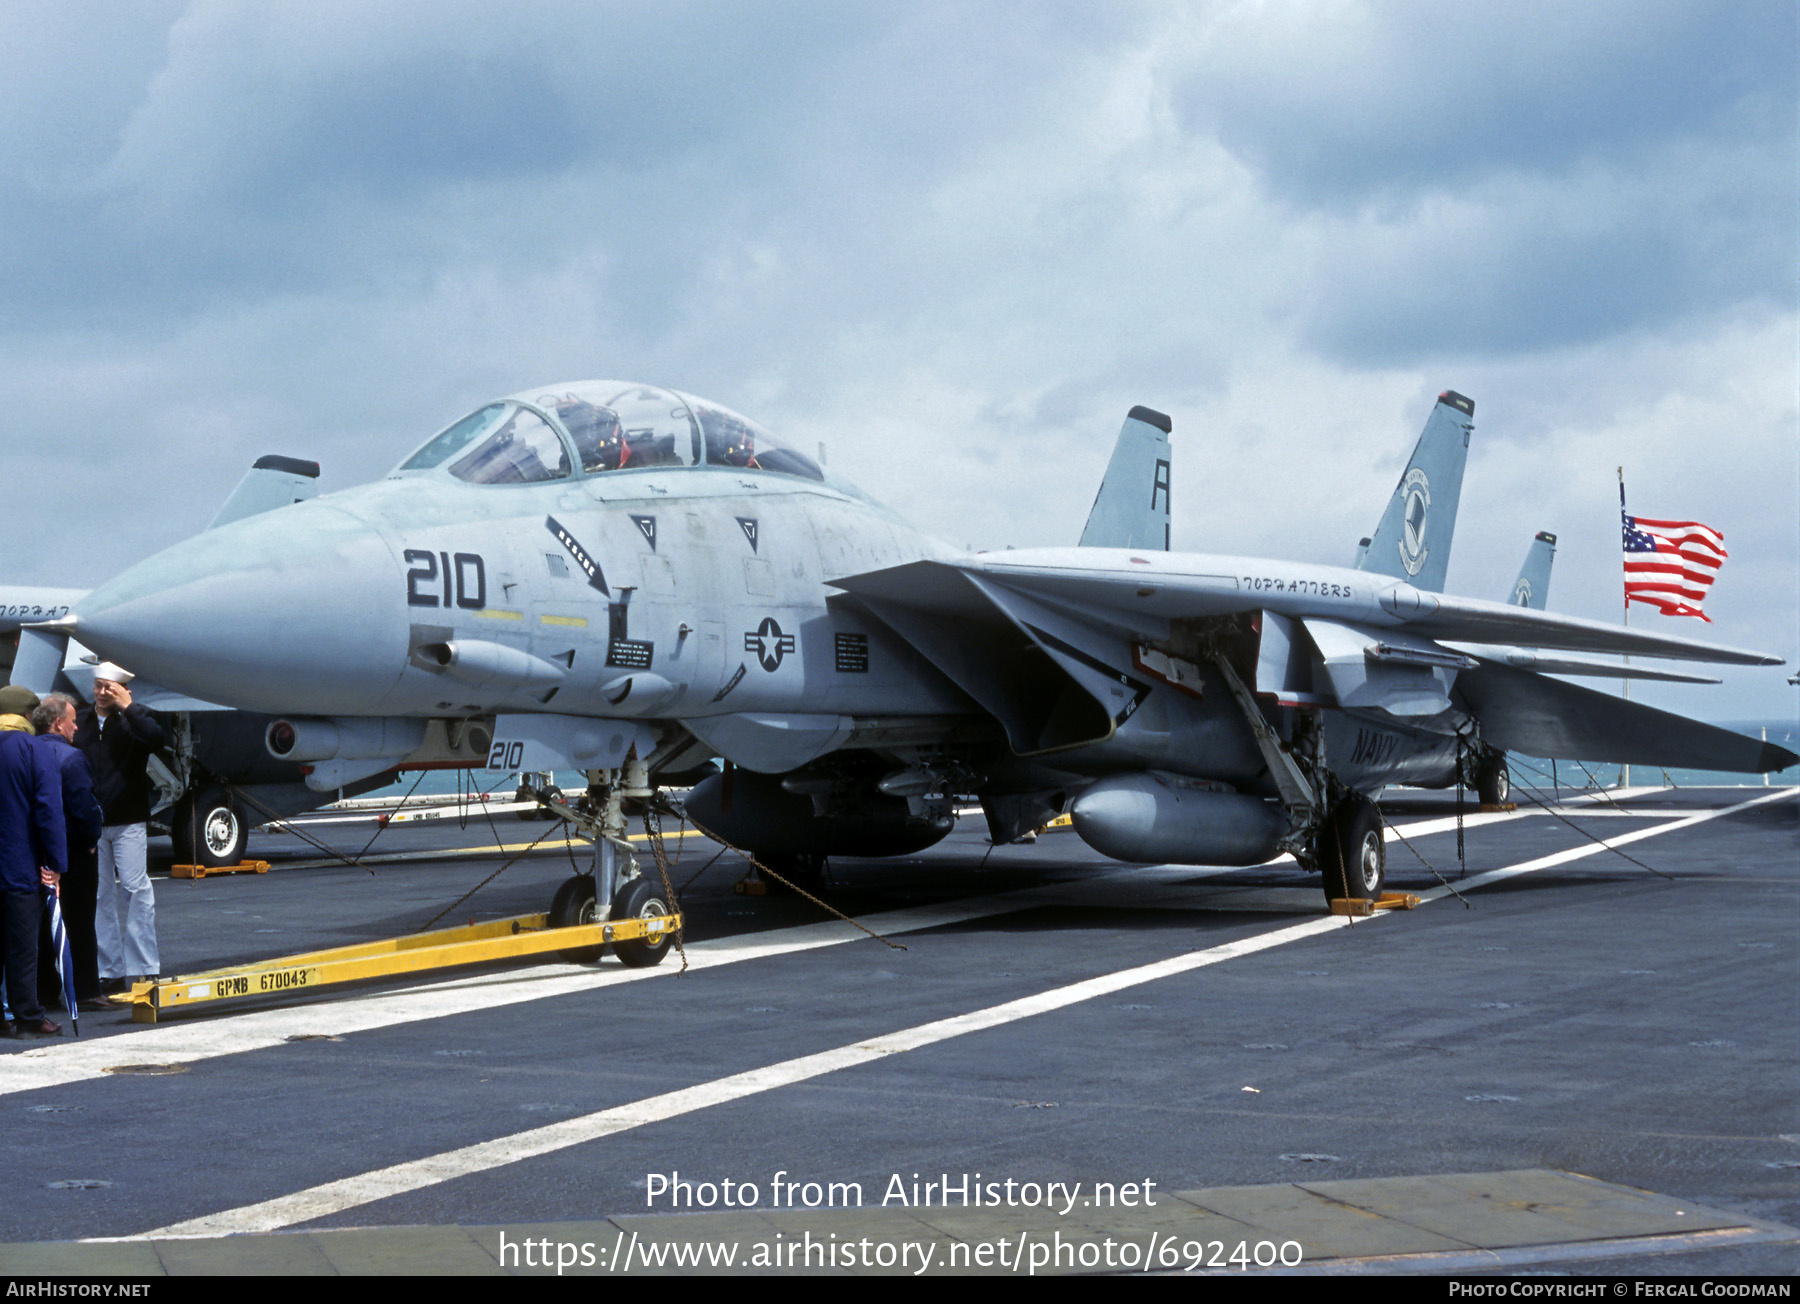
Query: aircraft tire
(537,813)
(574,904)
(208,829)
(1493,782)
(1353,853)
(639,898)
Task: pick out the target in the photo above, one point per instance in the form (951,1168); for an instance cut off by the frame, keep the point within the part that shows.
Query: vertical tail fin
(1412,542)
(1132,508)
(1532,588)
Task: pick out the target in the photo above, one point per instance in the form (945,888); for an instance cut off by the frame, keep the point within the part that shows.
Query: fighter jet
(629,580)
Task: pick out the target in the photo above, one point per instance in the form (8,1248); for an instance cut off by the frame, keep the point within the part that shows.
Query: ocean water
(1526,770)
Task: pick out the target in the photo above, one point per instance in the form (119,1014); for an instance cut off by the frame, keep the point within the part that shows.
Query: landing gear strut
(615,889)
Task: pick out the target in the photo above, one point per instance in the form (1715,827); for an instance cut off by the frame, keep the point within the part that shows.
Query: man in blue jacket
(32,856)
(54,720)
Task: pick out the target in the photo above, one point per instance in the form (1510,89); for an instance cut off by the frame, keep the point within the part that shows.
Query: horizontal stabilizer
(1536,716)
(1132,508)
(274,481)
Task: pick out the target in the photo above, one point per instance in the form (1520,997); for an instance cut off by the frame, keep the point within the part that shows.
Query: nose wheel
(576,902)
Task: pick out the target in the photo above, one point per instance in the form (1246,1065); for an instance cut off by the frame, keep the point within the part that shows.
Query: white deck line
(417,1174)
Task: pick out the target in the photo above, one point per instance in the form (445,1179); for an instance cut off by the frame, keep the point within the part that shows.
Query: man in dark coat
(32,856)
(117,737)
(54,720)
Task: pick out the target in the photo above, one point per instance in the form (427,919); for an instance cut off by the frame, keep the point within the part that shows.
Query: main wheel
(1493,782)
(639,898)
(208,829)
(574,904)
(1353,852)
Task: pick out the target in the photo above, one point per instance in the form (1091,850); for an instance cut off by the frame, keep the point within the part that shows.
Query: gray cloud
(952,242)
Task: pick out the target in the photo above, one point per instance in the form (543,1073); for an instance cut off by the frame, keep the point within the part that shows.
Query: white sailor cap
(114,674)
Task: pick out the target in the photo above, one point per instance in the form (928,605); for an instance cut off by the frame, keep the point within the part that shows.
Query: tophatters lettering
(1279,584)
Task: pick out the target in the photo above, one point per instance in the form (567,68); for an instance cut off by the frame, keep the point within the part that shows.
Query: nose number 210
(462,579)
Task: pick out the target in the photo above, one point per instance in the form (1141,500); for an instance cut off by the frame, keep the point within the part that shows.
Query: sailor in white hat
(117,737)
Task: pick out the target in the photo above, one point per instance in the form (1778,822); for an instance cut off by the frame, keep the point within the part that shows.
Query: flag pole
(1625,602)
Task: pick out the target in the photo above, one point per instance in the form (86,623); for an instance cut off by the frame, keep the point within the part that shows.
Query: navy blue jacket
(82,817)
(117,758)
(31,814)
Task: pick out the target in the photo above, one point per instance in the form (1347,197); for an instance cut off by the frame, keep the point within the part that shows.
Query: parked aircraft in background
(628,580)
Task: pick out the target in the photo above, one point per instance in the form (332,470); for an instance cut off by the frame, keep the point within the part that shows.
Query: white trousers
(125,890)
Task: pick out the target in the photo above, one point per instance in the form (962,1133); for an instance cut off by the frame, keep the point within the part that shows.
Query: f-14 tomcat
(631,581)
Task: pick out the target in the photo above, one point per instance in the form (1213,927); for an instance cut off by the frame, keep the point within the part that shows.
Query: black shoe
(7,1030)
(39,1027)
(113,986)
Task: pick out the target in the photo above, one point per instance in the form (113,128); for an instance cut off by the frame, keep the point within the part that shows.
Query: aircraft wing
(1521,659)
(1001,626)
(1147,592)
(1475,621)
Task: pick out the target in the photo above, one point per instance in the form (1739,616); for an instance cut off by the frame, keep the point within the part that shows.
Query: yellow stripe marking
(496,613)
(577,622)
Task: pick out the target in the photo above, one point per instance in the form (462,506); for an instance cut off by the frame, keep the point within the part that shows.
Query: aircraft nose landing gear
(633,909)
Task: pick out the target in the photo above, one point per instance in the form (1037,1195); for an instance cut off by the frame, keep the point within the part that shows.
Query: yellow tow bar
(499,939)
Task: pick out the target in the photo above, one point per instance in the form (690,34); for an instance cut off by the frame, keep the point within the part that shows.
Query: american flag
(1669,564)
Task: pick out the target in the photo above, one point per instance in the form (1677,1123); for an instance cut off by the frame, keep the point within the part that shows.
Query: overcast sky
(955,242)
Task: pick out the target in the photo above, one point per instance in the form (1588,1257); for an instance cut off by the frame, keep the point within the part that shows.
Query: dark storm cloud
(281,151)
(1337,104)
(1514,178)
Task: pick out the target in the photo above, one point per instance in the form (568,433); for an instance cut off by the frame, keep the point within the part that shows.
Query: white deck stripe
(62,1062)
(58,1063)
(399,1179)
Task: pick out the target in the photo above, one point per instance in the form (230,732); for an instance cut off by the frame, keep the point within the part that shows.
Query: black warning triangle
(647,527)
(749,524)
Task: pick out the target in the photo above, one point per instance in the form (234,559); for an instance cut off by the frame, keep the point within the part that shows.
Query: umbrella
(65,958)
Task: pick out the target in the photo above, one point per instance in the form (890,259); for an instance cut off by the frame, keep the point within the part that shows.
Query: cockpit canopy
(599,426)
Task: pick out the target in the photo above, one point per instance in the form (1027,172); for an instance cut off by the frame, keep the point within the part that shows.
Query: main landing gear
(1352,851)
(1493,782)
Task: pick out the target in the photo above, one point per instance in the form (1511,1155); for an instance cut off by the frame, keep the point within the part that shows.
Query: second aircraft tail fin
(1132,508)
(1412,542)
(1532,588)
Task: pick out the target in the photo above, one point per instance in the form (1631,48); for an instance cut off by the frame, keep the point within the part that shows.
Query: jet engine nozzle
(1157,819)
(343,739)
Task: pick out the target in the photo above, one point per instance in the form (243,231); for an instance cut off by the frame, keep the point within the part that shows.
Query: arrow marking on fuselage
(589,566)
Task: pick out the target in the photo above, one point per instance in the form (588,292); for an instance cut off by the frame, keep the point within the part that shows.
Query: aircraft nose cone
(280,612)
